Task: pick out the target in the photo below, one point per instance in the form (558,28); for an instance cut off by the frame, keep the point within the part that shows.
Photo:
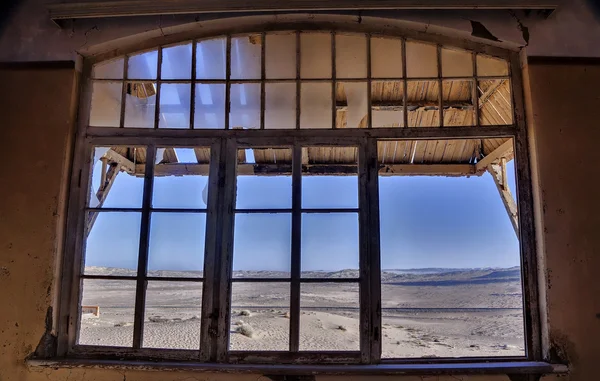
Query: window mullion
(296,248)
(370,273)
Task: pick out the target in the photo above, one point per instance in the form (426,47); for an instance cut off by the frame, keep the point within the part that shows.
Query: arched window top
(301,80)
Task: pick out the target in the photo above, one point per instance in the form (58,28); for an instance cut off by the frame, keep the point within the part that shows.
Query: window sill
(507,368)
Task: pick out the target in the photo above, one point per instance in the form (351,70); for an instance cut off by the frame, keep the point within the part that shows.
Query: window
(303,197)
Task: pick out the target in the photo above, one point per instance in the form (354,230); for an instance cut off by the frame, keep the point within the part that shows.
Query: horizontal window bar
(120,210)
(152,278)
(108,277)
(307,80)
(260,280)
(176,210)
(330,210)
(255,211)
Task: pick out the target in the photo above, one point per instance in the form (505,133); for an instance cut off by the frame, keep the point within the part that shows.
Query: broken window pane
(107,311)
(495,102)
(315,55)
(387,100)
(140,104)
(210,59)
(260,317)
(423,103)
(315,105)
(491,66)
(173,315)
(280,56)
(143,65)
(106,104)
(457,63)
(351,56)
(280,107)
(209,106)
(112,69)
(386,58)
(174,105)
(421,60)
(245,57)
(459,109)
(245,106)
(177,62)
(351,104)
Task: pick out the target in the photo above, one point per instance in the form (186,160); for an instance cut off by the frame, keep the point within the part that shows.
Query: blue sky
(425,222)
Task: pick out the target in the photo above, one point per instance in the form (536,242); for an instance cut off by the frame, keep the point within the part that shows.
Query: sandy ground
(441,315)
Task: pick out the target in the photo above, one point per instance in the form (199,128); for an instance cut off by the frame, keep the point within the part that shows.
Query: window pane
(106,104)
(329,317)
(262,245)
(177,244)
(335,234)
(140,103)
(260,317)
(174,105)
(495,102)
(423,103)
(245,57)
(458,103)
(181,178)
(315,55)
(210,59)
(177,62)
(245,106)
(143,65)
(421,60)
(457,63)
(264,178)
(280,108)
(112,243)
(450,260)
(109,69)
(107,313)
(351,104)
(387,99)
(280,54)
(117,177)
(315,105)
(209,106)
(386,58)
(173,315)
(351,56)
(491,66)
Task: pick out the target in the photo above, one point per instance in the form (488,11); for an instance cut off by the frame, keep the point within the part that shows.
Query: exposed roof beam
(69,10)
(498,172)
(411,105)
(126,164)
(504,150)
(450,170)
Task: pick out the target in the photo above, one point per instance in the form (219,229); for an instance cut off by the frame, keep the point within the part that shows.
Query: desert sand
(425,313)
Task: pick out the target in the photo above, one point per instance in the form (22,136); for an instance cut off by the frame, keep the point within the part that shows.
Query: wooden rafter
(498,172)
(505,150)
(108,179)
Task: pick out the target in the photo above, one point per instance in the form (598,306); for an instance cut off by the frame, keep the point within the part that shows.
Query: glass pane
(423,104)
(209,106)
(491,66)
(264,178)
(109,69)
(280,53)
(143,65)
(450,259)
(315,57)
(386,58)
(173,315)
(112,243)
(140,103)
(245,106)
(387,99)
(329,317)
(177,62)
(351,104)
(495,102)
(106,104)
(335,234)
(315,105)
(458,103)
(181,178)
(457,63)
(177,244)
(117,177)
(262,245)
(421,60)
(210,59)
(280,108)
(351,56)
(260,316)
(174,105)
(107,311)
(245,57)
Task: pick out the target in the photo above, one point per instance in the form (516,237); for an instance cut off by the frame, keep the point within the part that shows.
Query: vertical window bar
(124,91)
(298,83)
(140,291)
(440,89)
(404,84)
(158,82)
(263,40)
(333,83)
(369,106)
(227,81)
(296,247)
(475,91)
(193,89)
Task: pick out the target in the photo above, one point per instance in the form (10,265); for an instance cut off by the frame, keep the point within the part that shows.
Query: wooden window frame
(213,344)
